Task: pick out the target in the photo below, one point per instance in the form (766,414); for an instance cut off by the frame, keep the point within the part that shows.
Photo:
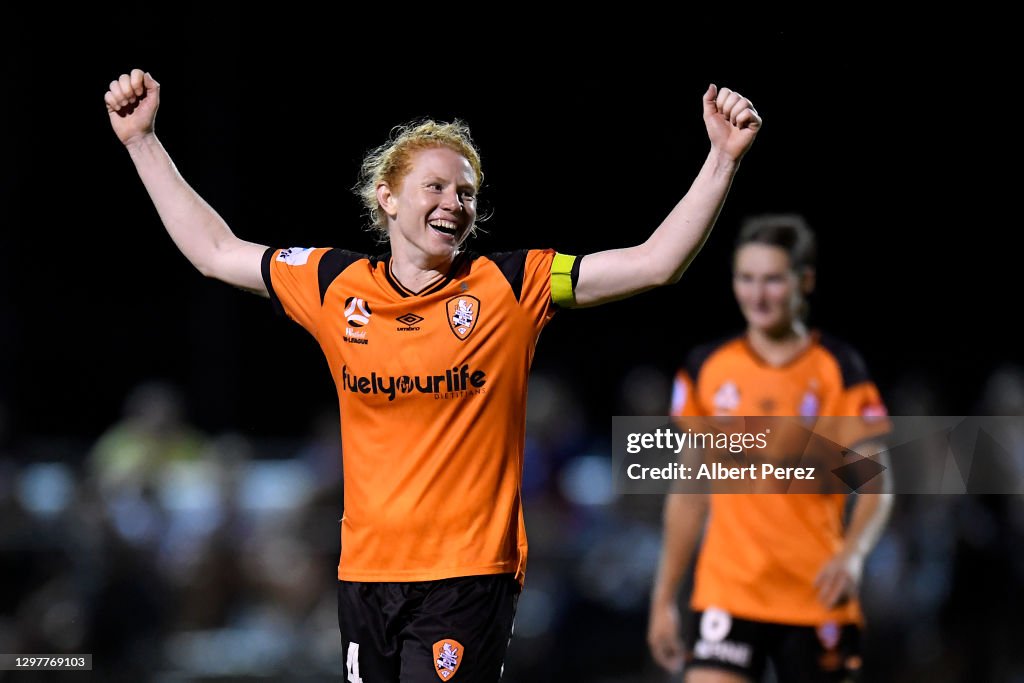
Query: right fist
(132,101)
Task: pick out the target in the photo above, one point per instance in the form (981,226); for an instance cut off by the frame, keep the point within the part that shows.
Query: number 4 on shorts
(352,664)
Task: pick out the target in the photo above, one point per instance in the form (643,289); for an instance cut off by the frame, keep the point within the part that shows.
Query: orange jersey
(762,552)
(432,392)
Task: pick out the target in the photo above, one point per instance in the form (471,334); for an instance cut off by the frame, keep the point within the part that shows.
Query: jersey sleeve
(863,402)
(859,399)
(538,297)
(685,399)
(292,279)
(684,396)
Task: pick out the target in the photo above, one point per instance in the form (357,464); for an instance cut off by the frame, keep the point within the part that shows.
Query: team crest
(447,658)
(810,404)
(828,635)
(727,398)
(463,312)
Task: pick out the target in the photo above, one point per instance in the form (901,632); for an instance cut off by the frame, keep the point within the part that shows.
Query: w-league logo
(357,312)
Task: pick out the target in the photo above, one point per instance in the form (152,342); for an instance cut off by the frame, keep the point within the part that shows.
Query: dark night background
(586,145)
(894,144)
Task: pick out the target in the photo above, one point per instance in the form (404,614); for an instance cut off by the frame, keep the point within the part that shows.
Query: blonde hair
(390,162)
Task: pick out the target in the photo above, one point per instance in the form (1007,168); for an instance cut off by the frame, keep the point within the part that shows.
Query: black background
(894,144)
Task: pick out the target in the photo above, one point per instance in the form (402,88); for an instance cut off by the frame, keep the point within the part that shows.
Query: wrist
(853,553)
(663,599)
(141,141)
(722,163)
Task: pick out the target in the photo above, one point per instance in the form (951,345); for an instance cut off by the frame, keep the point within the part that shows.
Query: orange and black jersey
(762,552)
(432,391)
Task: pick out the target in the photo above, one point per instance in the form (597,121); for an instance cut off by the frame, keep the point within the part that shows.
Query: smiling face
(433,207)
(769,292)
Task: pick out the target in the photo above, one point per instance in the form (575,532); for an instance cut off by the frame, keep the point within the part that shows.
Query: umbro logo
(410,322)
(409,319)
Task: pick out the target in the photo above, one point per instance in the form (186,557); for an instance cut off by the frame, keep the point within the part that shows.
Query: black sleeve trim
(575,273)
(699,356)
(331,265)
(265,270)
(512,265)
(851,365)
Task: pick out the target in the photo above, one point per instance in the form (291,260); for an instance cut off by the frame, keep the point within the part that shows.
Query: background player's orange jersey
(762,552)
(432,392)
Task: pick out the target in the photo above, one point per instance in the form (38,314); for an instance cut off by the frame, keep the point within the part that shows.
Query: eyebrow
(443,181)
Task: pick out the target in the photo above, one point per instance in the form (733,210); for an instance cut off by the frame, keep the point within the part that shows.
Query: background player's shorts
(829,653)
(427,631)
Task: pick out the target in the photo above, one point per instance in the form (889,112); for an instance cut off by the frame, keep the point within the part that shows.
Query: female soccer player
(430,348)
(777,574)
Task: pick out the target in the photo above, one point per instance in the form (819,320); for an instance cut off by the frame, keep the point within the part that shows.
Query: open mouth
(444,227)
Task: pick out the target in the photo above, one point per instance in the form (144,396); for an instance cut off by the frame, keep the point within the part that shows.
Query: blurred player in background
(777,575)
(430,347)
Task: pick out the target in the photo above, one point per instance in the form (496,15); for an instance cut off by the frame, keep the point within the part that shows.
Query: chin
(762,321)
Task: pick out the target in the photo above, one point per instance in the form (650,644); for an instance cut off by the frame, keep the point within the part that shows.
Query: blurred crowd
(174,555)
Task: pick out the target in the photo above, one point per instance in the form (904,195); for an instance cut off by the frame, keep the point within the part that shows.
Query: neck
(778,347)
(416,270)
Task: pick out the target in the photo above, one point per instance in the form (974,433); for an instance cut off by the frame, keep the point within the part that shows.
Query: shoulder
(700,356)
(324,258)
(851,364)
(518,266)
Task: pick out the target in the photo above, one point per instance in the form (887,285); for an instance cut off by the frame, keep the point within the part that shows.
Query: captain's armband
(565,272)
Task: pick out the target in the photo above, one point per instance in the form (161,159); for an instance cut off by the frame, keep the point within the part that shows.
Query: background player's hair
(391,161)
(788,231)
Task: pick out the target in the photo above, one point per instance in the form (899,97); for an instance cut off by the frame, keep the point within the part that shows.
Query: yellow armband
(562,280)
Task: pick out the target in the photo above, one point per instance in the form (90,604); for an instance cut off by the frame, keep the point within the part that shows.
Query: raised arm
(732,123)
(198,231)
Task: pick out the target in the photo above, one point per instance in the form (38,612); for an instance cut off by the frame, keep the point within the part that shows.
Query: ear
(808,279)
(386,199)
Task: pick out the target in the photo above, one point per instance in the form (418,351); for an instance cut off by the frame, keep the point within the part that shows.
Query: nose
(451,201)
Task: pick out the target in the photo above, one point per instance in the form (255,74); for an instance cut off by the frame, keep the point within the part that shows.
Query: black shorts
(829,653)
(426,631)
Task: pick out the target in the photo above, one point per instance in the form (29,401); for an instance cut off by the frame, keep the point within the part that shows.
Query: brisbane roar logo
(463,314)
(447,658)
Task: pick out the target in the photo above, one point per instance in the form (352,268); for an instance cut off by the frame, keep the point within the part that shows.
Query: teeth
(446,225)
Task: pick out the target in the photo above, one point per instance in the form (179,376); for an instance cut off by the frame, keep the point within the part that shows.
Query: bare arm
(732,124)
(684,517)
(839,579)
(197,230)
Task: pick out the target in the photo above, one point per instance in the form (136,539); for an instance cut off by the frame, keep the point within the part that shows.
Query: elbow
(886,501)
(205,268)
(208,262)
(672,278)
(667,275)
(664,271)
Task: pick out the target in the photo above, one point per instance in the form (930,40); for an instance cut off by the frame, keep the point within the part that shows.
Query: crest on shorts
(447,657)
(463,312)
(828,634)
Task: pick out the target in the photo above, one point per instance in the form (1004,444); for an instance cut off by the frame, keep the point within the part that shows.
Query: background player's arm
(732,123)
(684,517)
(839,579)
(197,230)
